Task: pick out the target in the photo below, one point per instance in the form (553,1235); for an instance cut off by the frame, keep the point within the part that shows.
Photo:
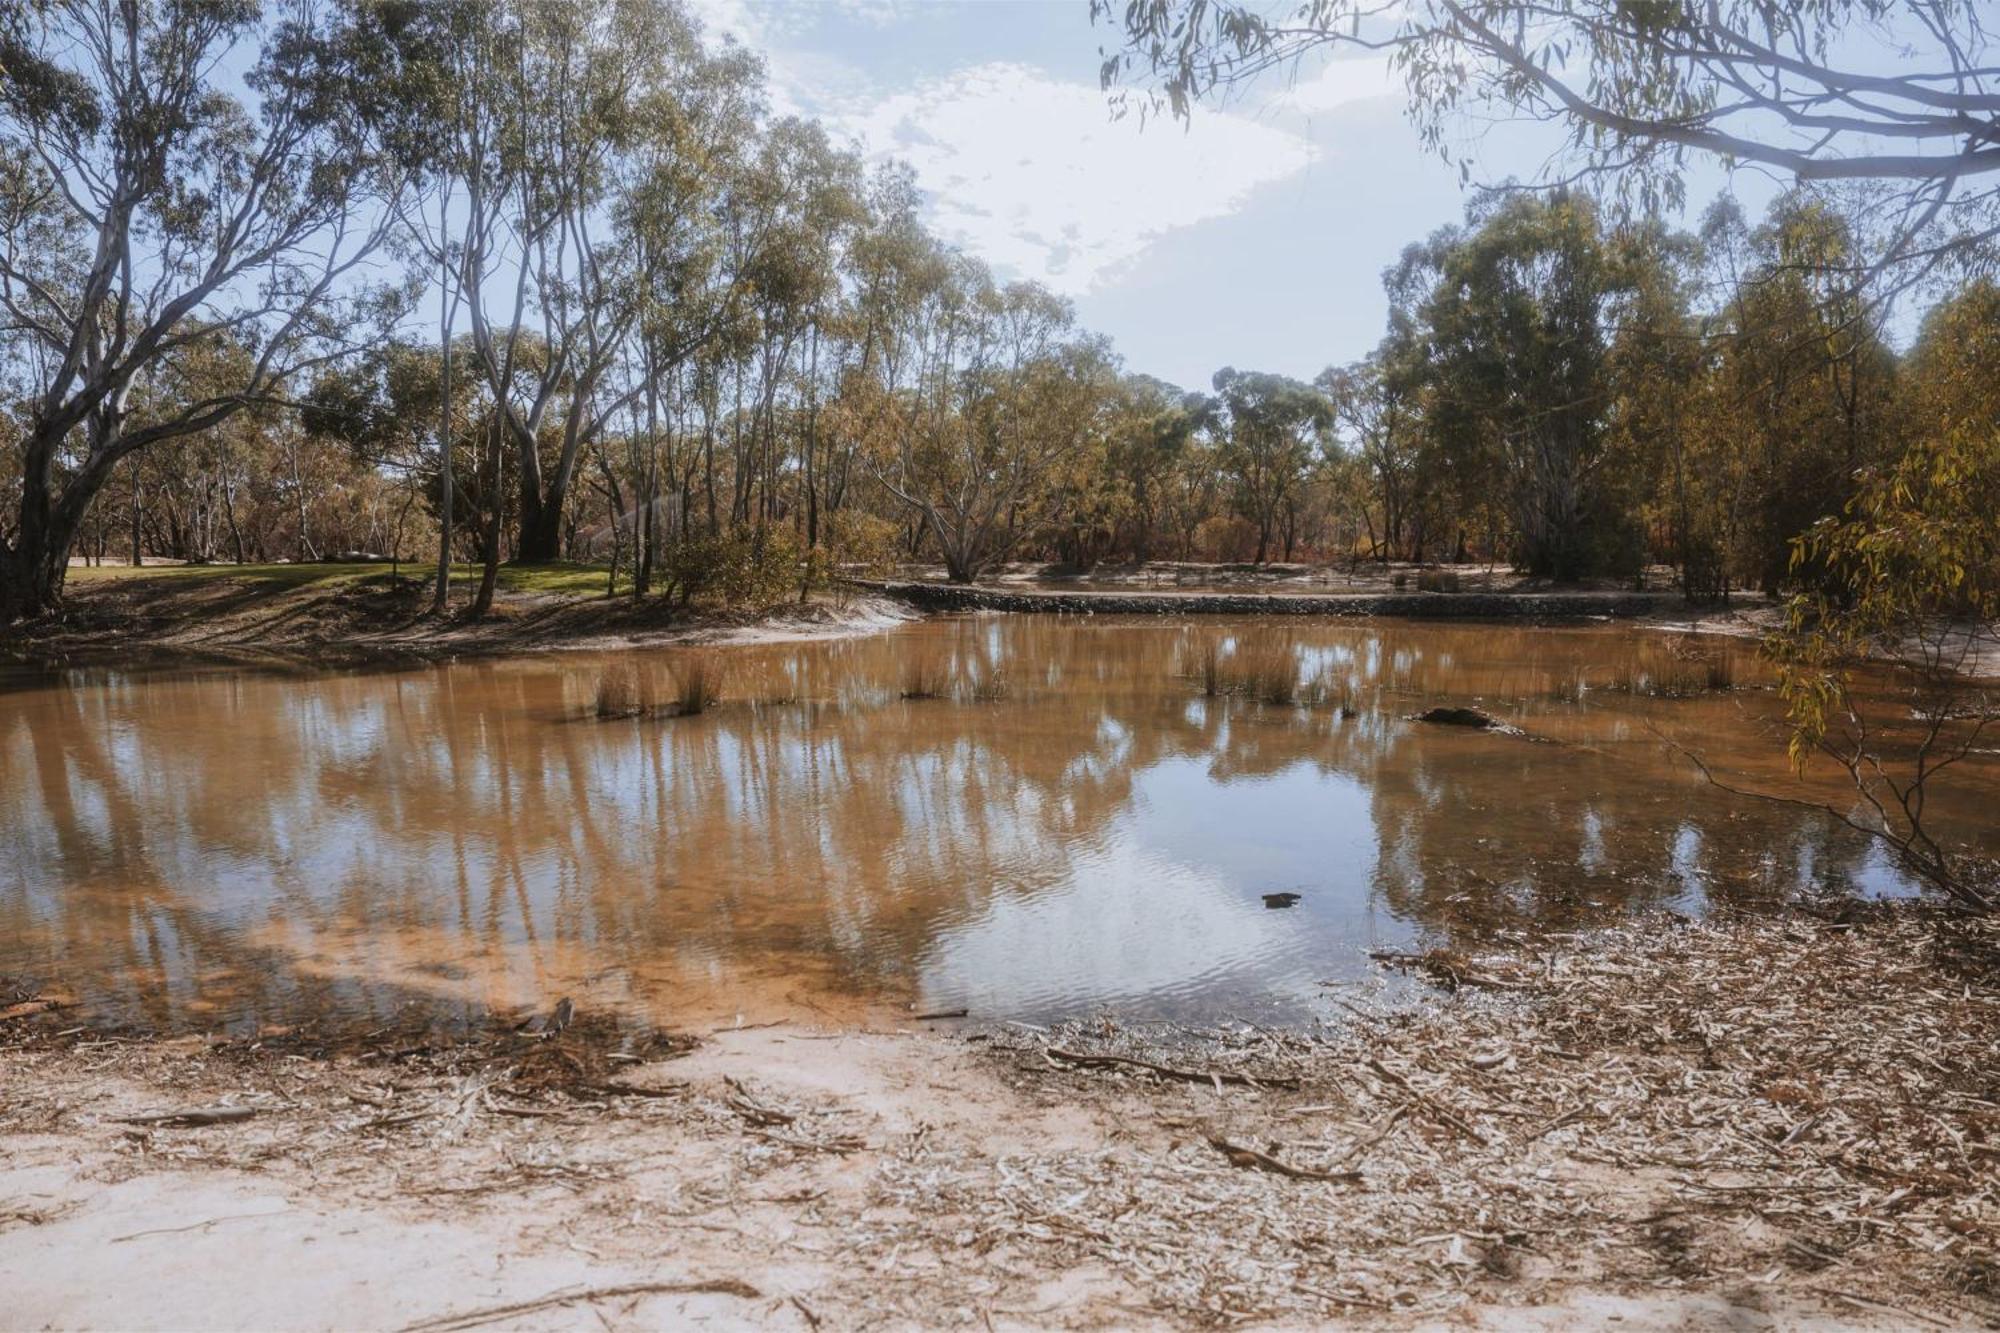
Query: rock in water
(1280,899)
(1459,717)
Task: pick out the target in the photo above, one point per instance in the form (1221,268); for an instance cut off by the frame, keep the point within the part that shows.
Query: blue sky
(1254,237)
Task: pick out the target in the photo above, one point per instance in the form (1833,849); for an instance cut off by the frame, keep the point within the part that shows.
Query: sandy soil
(1783,1122)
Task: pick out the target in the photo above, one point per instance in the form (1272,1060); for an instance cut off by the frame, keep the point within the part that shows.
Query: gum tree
(151,207)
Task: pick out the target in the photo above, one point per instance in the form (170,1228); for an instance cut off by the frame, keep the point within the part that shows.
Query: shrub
(853,544)
(749,567)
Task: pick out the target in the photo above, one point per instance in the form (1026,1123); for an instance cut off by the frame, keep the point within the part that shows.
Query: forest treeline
(486,282)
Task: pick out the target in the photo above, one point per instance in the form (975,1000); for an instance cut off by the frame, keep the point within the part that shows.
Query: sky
(1254,236)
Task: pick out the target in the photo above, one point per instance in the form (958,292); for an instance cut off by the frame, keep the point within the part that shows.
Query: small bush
(748,567)
(853,544)
(1438,580)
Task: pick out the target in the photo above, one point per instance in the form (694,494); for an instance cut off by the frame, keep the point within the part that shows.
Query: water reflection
(1027,816)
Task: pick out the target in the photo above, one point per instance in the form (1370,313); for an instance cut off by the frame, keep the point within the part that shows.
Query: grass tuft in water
(617,694)
(1272,677)
(927,678)
(699,676)
(1209,666)
(991,689)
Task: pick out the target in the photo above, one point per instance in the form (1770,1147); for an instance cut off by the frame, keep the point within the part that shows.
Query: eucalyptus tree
(696,149)
(1804,386)
(1513,323)
(1377,412)
(570,172)
(150,207)
(984,392)
(795,211)
(1270,428)
(1154,429)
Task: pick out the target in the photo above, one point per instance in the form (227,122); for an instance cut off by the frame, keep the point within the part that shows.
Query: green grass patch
(283,576)
(564,576)
(569,578)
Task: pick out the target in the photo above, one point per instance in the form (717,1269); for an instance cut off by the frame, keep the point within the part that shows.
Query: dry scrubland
(1734,1124)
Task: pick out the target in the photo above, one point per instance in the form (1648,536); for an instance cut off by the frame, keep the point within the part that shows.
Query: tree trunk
(32,568)
(541,529)
(489,573)
(441,592)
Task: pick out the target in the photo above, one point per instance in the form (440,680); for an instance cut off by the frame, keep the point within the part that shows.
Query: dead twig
(727,1286)
(1089,1061)
(1252,1160)
(192,1118)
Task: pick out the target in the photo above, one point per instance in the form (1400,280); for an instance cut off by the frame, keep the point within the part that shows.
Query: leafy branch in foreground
(1908,589)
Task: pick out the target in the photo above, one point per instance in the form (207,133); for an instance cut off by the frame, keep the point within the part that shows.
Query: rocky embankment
(1418,605)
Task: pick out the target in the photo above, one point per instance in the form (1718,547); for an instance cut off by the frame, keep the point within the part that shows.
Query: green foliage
(744,567)
(1907,586)
(1270,429)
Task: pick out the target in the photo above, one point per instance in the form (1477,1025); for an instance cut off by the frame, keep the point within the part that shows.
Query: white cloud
(1031,174)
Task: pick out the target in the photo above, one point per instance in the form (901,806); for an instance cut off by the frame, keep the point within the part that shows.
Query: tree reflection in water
(1073,825)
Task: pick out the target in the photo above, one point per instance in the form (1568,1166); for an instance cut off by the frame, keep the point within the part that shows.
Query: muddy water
(1023,816)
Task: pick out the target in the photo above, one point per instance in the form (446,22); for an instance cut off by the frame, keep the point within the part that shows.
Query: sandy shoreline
(1761,1122)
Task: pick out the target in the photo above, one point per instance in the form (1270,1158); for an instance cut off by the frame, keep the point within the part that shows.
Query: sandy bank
(342,615)
(1763,1122)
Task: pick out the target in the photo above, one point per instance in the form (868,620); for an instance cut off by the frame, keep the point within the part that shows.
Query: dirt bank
(343,613)
(1784,1121)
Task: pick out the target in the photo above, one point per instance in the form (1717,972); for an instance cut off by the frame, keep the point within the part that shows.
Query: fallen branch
(1089,1061)
(838,1146)
(1428,1102)
(741,1102)
(40,1004)
(1252,1160)
(727,1286)
(191,1119)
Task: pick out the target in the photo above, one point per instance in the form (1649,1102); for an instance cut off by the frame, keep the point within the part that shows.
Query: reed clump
(1208,666)
(699,678)
(991,688)
(927,678)
(1571,686)
(1271,677)
(617,695)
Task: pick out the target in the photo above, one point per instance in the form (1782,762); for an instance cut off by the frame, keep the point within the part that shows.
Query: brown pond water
(1071,826)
